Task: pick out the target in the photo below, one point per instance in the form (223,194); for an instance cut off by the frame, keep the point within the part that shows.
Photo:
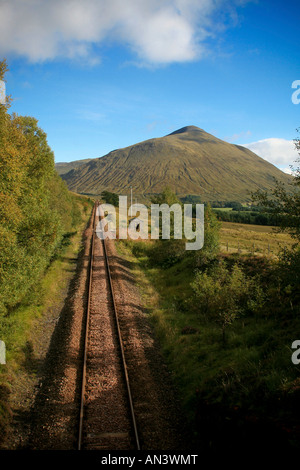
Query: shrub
(223,294)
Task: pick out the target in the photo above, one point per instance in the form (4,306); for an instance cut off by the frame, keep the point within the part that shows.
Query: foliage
(166,253)
(36,208)
(223,294)
(191,199)
(252,304)
(227,393)
(211,238)
(167,196)
(110,198)
(287,274)
(284,202)
(247,217)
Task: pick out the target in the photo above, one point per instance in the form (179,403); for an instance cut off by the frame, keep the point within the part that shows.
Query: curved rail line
(120,342)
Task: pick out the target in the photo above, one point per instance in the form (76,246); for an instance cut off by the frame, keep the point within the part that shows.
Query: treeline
(235,205)
(237,212)
(247,217)
(110,198)
(36,209)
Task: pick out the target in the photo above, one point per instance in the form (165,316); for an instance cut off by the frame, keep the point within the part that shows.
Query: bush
(223,294)
(166,253)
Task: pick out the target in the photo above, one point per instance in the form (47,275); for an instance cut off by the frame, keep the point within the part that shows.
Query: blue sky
(100,75)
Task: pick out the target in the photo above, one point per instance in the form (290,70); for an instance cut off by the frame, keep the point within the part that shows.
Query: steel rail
(81,415)
(132,413)
(122,350)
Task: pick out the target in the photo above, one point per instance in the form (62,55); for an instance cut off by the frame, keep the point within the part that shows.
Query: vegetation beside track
(39,219)
(226,322)
(22,330)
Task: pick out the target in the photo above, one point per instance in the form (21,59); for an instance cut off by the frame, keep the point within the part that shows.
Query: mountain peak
(186,129)
(190,161)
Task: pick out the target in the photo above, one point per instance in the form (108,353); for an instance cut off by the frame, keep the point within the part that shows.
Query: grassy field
(259,239)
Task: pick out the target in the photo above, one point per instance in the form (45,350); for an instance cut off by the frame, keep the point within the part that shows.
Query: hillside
(189,160)
(64,167)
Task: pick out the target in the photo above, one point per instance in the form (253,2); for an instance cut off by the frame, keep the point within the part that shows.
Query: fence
(253,249)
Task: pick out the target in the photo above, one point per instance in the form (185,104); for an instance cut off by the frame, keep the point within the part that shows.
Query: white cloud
(287,170)
(279,152)
(158,31)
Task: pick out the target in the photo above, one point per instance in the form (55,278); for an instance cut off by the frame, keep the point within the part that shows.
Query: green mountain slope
(189,160)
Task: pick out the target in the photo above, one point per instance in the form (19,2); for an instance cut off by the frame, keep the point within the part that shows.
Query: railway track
(107,419)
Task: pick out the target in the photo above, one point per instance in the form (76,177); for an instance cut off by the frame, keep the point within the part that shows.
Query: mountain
(64,167)
(189,160)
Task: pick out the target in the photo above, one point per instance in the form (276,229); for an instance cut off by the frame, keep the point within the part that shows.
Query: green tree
(110,198)
(36,208)
(224,294)
(167,252)
(166,197)
(211,246)
(169,198)
(283,202)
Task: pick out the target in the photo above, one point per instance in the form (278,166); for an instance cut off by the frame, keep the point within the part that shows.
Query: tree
(283,203)
(110,198)
(169,198)
(167,252)
(166,197)
(223,294)
(212,228)
(36,208)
